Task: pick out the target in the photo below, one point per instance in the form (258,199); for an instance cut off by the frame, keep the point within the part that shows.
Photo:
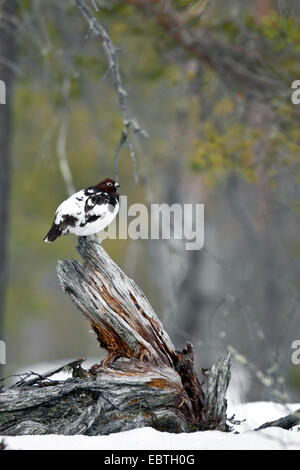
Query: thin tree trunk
(8,10)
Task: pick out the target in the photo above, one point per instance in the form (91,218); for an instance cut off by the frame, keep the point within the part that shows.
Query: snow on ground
(259,412)
(255,413)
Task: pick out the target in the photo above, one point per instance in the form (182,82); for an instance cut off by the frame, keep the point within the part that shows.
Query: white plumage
(86,212)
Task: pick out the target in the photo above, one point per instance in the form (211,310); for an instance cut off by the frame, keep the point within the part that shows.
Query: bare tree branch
(62,140)
(111,55)
(46,375)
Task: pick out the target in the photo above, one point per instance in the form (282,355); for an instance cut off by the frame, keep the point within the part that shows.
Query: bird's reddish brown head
(108,185)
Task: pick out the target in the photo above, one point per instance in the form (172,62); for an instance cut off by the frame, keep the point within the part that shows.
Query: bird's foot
(83,241)
(91,238)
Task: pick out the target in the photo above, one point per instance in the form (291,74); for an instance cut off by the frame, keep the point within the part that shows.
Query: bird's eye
(109,184)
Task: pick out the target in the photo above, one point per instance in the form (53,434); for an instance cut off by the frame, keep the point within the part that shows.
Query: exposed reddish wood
(159,383)
(184,364)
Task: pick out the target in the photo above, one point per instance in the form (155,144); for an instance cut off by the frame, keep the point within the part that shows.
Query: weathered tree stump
(143,381)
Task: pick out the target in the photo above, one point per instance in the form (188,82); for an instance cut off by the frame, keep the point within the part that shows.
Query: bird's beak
(117,185)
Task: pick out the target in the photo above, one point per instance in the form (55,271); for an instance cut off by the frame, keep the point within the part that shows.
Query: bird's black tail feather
(53,234)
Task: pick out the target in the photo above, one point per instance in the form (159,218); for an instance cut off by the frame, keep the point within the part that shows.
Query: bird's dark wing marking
(57,230)
(90,190)
(92,207)
(68,220)
(90,218)
(98,199)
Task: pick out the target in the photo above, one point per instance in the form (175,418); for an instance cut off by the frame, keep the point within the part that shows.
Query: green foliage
(281,31)
(218,153)
(237,146)
(182,4)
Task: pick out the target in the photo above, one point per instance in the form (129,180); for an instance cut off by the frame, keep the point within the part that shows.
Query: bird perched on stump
(86,212)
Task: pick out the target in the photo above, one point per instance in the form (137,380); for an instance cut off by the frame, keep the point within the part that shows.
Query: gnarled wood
(124,321)
(143,381)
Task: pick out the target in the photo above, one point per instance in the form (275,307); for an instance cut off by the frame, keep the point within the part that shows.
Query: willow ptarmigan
(86,212)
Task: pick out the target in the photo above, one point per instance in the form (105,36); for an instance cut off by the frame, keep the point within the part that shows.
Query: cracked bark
(143,381)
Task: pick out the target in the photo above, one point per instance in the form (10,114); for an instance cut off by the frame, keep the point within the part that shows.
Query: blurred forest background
(210,82)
